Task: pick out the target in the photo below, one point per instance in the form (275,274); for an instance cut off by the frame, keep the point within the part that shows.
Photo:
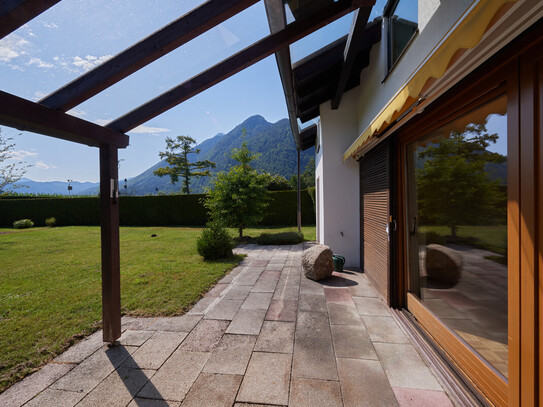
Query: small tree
(454,187)
(239,196)
(9,173)
(277,182)
(176,155)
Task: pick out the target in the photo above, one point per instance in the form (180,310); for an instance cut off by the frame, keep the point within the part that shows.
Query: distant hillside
(272,140)
(54,187)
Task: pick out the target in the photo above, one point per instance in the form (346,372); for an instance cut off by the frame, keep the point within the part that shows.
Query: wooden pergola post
(299,197)
(109,222)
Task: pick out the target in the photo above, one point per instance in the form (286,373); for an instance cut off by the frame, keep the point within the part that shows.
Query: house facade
(429,178)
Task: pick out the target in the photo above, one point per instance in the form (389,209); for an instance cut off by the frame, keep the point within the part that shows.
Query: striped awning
(465,34)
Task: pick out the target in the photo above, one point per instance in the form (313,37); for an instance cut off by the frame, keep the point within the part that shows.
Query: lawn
(50,285)
(492,238)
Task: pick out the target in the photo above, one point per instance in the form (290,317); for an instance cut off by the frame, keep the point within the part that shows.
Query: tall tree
(13,172)
(454,187)
(176,155)
(239,196)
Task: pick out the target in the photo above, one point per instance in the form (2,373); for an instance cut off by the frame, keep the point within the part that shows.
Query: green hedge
(162,210)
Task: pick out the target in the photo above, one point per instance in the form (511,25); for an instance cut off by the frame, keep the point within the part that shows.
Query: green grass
(50,285)
(492,238)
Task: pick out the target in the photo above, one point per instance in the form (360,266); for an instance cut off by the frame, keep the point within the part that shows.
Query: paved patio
(264,335)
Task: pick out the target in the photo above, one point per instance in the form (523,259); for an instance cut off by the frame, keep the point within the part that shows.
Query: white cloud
(49,25)
(21,154)
(43,166)
(102,122)
(87,63)
(149,130)
(38,95)
(76,113)
(39,63)
(12,47)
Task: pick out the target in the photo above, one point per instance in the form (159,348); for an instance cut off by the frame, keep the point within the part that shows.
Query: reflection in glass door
(457,228)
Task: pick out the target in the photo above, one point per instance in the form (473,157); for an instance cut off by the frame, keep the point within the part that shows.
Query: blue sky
(75,35)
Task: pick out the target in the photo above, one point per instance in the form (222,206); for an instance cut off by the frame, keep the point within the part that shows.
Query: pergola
(326,75)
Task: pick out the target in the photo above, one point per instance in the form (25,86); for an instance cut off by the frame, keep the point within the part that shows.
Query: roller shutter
(375,210)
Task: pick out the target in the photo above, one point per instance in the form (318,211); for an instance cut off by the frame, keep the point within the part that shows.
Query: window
(401,24)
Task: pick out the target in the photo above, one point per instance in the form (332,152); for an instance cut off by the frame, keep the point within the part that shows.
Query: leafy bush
(215,242)
(23,224)
(51,222)
(280,238)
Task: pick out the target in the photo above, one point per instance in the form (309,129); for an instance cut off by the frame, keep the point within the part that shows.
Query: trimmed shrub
(215,242)
(51,222)
(23,224)
(280,238)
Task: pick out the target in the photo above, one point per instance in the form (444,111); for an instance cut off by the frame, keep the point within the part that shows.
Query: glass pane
(457,219)
(403,25)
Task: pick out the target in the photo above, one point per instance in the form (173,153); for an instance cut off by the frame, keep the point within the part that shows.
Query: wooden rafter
(355,38)
(15,13)
(275,12)
(236,63)
(161,42)
(29,116)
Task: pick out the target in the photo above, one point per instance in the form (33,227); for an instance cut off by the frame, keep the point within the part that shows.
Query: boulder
(317,262)
(443,265)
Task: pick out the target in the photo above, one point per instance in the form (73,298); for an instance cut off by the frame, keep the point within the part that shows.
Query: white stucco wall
(436,18)
(339,200)
(339,183)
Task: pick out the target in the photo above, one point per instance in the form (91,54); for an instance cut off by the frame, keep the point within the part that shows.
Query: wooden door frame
(505,73)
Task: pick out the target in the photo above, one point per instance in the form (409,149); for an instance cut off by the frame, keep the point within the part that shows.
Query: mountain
(54,187)
(272,140)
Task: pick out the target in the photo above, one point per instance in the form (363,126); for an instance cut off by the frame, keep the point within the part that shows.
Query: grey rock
(443,264)
(317,262)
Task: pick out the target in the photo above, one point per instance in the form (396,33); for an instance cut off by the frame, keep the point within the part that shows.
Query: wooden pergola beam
(275,11)
(15,13)
(352,47)
(236,63)
(29,116)
(161,42)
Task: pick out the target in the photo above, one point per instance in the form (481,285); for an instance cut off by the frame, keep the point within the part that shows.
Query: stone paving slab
(140,402)
(86,376)
(155,351)
(55,398)
(224,309)
(119,388)
(314,359)
(313,303)
(384,329)
(267,379)
(232,354)
(21,392)
(184,323)
(352,342)
(264,336)
(205,336)
(405,368)
(343,314)
(276,337)
(175,378)
(257,301)
(213,390)
(282,310)
(364,383)
(134,338)
(314,393)
(247,322)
